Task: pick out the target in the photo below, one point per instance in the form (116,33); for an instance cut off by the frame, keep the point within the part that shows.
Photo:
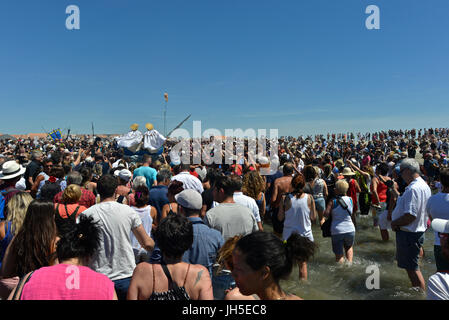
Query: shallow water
(327,280)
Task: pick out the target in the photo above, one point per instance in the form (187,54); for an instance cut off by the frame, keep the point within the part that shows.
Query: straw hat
(347,172)
(134,127)
(11,169)
(149,126)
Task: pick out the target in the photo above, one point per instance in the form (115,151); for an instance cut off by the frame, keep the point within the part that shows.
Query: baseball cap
(440,225)
(190,199)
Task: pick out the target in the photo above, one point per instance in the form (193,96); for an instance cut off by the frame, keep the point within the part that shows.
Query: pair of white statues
(152,141)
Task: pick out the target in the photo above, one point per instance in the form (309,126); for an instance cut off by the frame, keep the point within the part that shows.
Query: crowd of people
(81,213)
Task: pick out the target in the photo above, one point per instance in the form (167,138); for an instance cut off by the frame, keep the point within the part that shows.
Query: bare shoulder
(143,269)
(235,294)
(2,229)
(293,297)
(198,273)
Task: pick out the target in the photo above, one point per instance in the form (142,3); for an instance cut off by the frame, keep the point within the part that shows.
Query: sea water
(331,281)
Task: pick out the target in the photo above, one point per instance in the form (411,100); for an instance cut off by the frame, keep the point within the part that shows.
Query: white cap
(440,225)
(190,199)
(124,174)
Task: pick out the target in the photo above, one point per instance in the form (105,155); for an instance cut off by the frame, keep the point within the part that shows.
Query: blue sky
(302,67)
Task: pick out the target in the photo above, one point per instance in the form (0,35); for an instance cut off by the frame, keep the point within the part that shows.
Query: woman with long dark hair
(71,279)
(34,245)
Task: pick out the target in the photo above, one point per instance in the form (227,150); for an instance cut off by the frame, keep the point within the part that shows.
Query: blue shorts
(342,241)
(320,204)
(408,245)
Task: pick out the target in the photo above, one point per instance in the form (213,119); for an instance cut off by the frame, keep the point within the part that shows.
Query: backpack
(3,193)
(2,206)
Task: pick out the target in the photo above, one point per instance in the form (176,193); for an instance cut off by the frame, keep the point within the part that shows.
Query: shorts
(441,262)
(384,224)
(320,204)
(278,226)
(342,241)
(408,245)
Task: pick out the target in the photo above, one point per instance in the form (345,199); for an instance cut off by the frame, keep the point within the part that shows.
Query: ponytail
(82,240)
(299,249)
(265,249)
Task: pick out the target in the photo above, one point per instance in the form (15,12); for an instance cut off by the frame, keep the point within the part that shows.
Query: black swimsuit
(174,292)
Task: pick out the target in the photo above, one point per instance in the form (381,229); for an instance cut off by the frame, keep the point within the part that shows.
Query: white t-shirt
(115,257)
(147,221)
(297,218)
(248,202)
(413,201)
(341,219)
(300,165)
(438,208)
(438,287)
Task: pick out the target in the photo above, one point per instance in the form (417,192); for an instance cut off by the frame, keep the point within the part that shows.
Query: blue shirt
(206,243)
(147,172)
(158,198)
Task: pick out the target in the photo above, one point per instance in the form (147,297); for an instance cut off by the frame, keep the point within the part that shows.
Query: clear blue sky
(301,66)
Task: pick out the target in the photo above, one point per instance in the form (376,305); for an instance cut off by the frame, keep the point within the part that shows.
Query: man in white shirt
(246,201)
(189,181)
(115,258)
(409,220)
(438,208)
(438,284)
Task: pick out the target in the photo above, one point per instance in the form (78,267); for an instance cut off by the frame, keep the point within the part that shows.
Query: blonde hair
(71,194)
(341,187)
(224,258)
(165,167)
(17,208)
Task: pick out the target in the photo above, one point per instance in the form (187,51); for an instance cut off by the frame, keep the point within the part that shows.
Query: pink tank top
(67,282)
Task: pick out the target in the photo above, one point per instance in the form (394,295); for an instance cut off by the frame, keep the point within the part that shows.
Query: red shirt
(70,209)
(194,173)
(87,198)
(352,192)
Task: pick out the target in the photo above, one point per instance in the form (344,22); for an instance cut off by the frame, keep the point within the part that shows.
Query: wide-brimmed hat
(134,126)
(11,169)
(124,174)
(149,126)
(347,172)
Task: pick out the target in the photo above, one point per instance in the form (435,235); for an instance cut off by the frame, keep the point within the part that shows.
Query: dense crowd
(83,219)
